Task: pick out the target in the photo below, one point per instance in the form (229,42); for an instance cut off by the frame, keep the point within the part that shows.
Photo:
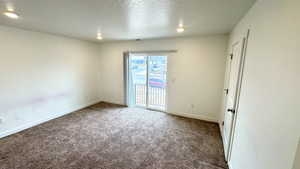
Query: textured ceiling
(126,19)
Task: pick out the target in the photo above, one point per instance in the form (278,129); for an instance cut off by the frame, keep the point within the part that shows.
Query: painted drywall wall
(43,76)
(267,129)
(196,73)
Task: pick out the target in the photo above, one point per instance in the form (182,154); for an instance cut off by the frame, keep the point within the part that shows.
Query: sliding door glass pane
(157,82)
(138,68)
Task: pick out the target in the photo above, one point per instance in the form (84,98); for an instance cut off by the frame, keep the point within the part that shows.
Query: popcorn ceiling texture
(108,136)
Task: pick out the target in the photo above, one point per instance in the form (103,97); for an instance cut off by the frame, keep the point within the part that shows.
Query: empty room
(149,84)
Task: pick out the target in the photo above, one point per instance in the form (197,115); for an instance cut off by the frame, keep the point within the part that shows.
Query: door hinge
(231,110)
(231,56)
(226,91)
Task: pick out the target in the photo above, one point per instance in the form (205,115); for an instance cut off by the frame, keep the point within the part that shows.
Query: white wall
(196,73)
(267,130)
(43,76)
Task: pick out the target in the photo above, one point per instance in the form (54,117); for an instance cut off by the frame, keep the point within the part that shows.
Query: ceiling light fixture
(99,36)
(11,14)
(180,29)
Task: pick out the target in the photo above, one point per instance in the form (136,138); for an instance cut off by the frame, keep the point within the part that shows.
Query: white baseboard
(35,123)
(195,116)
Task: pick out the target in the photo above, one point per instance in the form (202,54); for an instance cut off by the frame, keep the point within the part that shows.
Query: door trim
(126,77)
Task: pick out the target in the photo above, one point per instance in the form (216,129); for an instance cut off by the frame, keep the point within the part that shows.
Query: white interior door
(232,91)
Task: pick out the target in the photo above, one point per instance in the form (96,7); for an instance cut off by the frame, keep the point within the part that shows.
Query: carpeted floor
(107,136)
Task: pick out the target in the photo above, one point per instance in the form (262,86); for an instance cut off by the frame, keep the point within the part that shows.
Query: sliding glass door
(147,81)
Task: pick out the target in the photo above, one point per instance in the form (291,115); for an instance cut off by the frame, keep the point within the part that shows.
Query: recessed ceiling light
(99,37)
(180,29)
(11,14)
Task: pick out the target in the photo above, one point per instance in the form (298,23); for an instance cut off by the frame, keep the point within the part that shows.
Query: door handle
(231,110)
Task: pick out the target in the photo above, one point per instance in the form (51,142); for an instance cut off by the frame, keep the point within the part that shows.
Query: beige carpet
(107,136)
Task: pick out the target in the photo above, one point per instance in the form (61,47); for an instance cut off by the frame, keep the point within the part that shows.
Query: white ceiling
(126,19)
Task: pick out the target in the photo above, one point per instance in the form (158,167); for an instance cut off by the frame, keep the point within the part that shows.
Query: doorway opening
(147,81)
